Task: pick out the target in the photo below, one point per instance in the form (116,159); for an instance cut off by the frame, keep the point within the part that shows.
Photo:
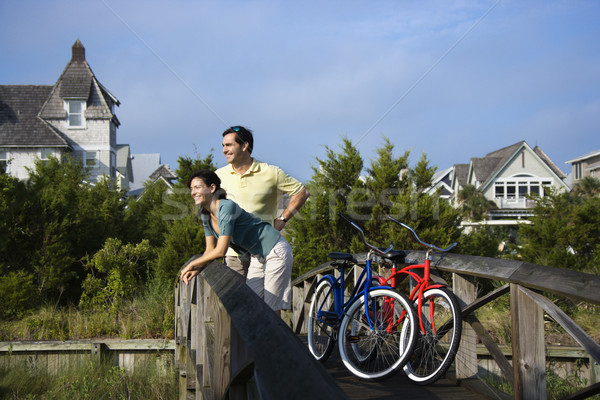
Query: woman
(226,224)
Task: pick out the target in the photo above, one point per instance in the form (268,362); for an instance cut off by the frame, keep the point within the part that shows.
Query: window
(113,165)
(45,155)
(577,170)
(499,190)
(75,110)
(91,159)
(519,187)
(511,189)
(3,161)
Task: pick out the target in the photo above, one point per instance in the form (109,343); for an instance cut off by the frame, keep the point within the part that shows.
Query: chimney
(78,51)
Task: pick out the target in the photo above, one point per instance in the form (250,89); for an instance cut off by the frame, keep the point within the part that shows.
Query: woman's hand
(188,273)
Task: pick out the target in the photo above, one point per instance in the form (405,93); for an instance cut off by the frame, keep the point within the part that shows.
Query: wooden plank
(569,283)
(529,366)
(222,345)
(297,309)
(504,365)
(565,282)
(585,393)
(209,341)
(466,356)
(567,323)
(242,366)
(201,338)
(480,302)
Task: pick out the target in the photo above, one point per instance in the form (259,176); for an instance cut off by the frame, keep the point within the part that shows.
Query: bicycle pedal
(352,339)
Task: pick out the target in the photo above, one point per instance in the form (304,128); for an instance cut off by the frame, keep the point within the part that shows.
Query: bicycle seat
(396,256)
(342,256)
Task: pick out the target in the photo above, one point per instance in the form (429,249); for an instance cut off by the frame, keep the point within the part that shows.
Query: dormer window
(75,116)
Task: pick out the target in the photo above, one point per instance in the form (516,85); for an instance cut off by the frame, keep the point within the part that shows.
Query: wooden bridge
(229,345)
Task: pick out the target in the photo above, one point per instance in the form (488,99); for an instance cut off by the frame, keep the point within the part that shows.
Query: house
(587,165)
(442,181)
(148,168)
(508,176)
(75,115)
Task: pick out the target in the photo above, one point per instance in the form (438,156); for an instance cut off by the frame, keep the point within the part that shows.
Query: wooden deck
(396,387)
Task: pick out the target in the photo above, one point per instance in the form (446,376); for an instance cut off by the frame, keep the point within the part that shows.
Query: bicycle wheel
(373,351)
(321,335)
(437,346)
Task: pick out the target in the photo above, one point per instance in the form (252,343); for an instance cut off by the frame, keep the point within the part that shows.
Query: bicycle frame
(362,287)
(422,284)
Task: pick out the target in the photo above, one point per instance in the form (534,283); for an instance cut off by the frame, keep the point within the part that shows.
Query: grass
(96,380)
(149,316)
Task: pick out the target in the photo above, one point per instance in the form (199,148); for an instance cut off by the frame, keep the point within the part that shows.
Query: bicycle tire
(321,336)
(375,354)
(435,351)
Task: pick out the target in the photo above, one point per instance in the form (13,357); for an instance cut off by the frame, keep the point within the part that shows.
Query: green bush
(17,291)
(117,272)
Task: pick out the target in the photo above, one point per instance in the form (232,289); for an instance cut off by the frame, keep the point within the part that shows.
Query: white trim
(557,182)
(585,157)
(92,148)
(497,222)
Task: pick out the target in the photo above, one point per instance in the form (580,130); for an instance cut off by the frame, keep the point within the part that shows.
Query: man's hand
(278,224)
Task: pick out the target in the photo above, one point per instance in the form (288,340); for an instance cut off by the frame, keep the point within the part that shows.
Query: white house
(507,176)
(75,115)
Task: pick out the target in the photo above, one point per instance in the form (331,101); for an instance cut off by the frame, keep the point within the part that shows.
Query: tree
(565,232)
(316,229)
(588,186)
(187,166)
(473,204)
(389,188)
(72,219)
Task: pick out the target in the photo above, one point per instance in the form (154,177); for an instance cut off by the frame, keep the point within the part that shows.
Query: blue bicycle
(376,328)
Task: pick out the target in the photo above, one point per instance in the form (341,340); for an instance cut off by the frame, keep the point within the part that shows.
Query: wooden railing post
(529,359)
(466,357)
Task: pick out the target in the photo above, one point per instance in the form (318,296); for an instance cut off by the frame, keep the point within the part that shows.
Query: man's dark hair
(242,135)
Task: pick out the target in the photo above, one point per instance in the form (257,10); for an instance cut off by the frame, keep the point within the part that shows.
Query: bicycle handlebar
(429,246)
(362,234)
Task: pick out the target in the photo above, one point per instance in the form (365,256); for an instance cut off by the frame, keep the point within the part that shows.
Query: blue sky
(453,79)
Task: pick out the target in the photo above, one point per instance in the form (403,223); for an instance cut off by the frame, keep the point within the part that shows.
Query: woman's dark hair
(242,135)
(209,178)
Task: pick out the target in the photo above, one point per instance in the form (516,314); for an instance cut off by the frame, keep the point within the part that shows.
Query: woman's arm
(215,249)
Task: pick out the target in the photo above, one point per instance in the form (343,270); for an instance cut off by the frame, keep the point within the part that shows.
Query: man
(256,186)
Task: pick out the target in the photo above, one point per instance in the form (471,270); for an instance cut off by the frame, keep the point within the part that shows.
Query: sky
(452,79)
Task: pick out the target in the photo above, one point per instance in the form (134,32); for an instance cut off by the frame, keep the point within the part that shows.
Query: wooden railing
(52,357)
(231,345)
(525,283)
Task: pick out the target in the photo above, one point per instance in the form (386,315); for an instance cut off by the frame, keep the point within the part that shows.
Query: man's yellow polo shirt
(260,189)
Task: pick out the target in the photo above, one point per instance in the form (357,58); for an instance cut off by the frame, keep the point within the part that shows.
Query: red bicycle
(439,317)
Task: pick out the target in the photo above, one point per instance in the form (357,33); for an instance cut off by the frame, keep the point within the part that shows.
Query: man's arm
(296,202)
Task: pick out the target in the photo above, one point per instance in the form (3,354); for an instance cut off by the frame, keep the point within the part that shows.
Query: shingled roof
(20,125)
(78,82)
(461,173)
